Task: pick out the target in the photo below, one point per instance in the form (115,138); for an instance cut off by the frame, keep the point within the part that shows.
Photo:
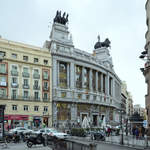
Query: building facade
(140,110)
(84,84)
(25,84)
(146,69)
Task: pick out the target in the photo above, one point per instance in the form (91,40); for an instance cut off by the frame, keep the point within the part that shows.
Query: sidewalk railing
(130,140)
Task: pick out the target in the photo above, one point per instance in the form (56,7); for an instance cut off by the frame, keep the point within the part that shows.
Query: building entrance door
(94,120)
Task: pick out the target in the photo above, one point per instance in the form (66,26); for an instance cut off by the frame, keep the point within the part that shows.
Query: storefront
(37,121)
(16,120)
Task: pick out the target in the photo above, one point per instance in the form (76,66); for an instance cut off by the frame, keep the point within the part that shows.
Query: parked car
(97,135)
(52,132)
(21,129)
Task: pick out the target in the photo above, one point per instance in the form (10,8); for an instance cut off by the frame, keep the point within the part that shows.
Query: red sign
(16,117)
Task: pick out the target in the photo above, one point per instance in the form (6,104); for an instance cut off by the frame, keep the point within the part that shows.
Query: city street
(100,146)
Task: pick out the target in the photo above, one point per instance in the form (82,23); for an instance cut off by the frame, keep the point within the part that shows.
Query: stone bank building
(83,84)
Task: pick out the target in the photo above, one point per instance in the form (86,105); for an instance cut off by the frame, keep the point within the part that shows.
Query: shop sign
(16,117)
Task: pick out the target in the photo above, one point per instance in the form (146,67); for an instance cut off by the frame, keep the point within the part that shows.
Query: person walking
(137,133)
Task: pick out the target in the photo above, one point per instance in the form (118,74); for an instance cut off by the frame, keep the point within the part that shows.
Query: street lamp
(121,111)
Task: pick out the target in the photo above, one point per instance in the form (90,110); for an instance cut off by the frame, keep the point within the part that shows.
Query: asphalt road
(100,146)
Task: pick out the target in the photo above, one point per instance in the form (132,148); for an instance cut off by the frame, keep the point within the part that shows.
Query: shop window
(36,108)
(14,107)
(45,109)
(25,58)
(26,107)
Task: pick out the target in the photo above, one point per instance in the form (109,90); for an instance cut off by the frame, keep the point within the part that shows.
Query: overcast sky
(122,21)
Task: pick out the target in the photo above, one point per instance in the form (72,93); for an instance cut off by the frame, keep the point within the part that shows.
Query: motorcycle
(12,138)
(32,140)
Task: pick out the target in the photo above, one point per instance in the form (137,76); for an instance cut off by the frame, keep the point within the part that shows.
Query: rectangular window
(45,62)
(45,75)
(26,94)
(36,108)
(36,71)
(14,94)
(2,68)
(3,92)
(45,109)
(3,81)
(25,81)
(14,55)
(36,60)
(99,82)
(110,86)
(14,68)
(45,85)
(104,83)
(14,80)
(2,54)
(36,95)
(36,83)
(45,96)
(25,69)
(14,107)
(78,76)
(25,107)
(25,58)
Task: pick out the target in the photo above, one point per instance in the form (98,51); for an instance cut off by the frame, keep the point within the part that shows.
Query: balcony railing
(3,72)
(3,83)
(25,74)
(3,96)
(46,77)
(36,87)
(14,73)
(36,76)
(45,99)
(37,98)
(14,85)
(25,86)
(46,88)
(14,97)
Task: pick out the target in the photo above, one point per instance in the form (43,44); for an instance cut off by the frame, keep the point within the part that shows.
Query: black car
(97,135)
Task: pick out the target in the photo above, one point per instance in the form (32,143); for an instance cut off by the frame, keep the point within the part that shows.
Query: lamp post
(121,141)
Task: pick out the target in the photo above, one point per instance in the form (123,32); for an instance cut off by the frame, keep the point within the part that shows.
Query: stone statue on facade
(99,44)
(61,19)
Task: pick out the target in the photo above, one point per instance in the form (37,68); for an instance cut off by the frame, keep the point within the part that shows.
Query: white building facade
(83,84)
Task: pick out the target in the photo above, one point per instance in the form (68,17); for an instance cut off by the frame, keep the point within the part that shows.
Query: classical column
(54,77)
(96,81)
(72,75)
(57,79)
(101,82)
(68,75)
(113,88)
(107,84)
(90,82)
(83,77)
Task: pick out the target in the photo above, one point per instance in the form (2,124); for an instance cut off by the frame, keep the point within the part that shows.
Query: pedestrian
(143,132)
(140,132)
(137,133)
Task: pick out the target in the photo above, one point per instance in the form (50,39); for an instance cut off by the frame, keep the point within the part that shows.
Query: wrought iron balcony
(14,85)
(46,77)
(46,88)
(25,74)
(36,87)
(25,86)
(36,76)
(37,98)
(45,99)
(14,97)
(14,73)
(3,96)
(3,83)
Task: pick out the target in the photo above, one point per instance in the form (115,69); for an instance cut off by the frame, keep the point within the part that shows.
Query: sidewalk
(115,140)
